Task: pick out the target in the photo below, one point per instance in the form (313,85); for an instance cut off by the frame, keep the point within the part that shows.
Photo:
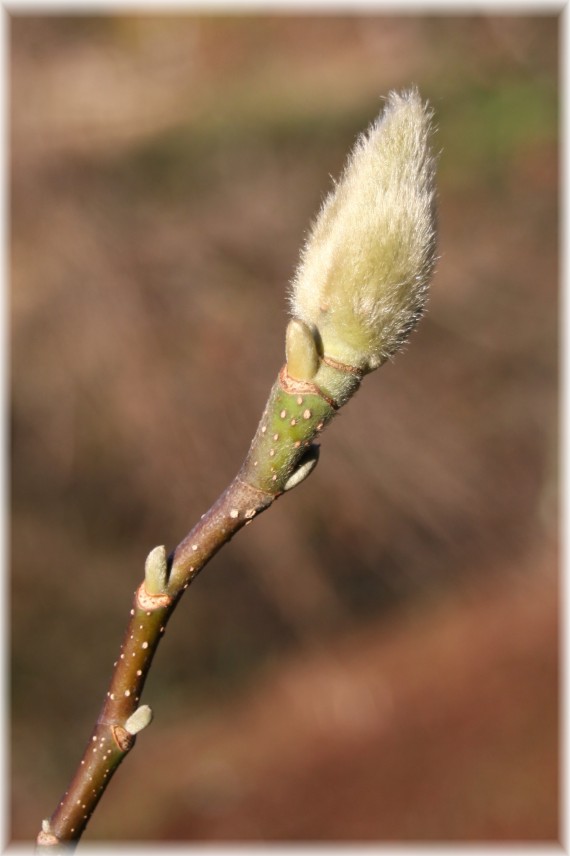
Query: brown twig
(359,292)
(281,456)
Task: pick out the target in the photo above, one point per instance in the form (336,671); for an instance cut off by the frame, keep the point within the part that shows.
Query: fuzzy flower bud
(361,285)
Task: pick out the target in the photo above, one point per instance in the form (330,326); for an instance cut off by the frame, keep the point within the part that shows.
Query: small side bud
(139,719)
(306,466)
(46,839)
(156,571)
(301,351)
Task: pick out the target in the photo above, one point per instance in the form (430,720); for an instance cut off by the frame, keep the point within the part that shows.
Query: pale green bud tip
(156,571)
(304,469)
(301,351)
(139,719)
(364,271)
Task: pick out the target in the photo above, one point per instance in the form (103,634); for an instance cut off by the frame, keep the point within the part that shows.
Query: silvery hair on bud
(364,271)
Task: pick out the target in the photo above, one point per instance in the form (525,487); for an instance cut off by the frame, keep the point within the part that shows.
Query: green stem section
(281,455)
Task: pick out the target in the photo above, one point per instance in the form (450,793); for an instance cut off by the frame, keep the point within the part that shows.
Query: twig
(280,457)
(359,291)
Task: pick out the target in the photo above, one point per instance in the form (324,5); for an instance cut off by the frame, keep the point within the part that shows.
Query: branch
(359,291)
(280,457)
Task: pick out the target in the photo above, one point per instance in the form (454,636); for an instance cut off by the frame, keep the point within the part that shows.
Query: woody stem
(281,455)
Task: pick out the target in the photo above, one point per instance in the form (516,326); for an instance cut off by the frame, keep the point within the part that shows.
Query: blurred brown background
(376,658)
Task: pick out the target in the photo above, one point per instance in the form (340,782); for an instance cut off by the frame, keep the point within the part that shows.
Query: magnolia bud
(156,571)
(140,719)
(364,271)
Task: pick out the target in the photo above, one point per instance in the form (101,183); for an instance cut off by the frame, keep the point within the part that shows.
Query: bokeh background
(376,659)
